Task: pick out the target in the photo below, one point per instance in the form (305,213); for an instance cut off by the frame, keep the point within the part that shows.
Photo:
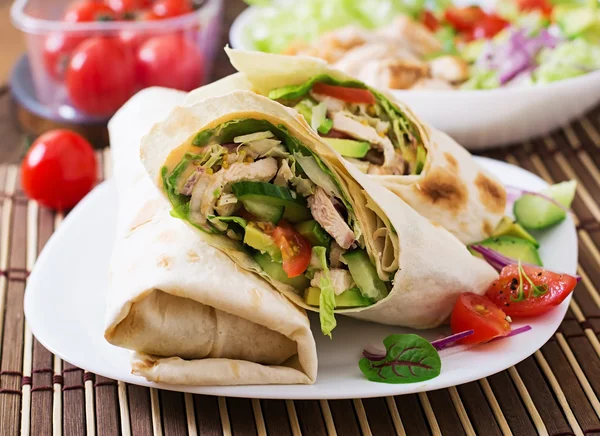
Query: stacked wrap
(189,313)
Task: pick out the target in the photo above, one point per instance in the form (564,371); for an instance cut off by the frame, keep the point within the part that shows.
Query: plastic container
(88,70)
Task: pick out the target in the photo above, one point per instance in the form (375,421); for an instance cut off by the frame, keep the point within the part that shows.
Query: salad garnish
(409,358)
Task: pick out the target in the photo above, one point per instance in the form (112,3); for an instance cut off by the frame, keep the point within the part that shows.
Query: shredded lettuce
(569,59)
(327,298)
(482,79)
(281,23)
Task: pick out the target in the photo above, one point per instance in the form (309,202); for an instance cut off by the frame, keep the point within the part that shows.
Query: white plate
(64,305)
(483,119)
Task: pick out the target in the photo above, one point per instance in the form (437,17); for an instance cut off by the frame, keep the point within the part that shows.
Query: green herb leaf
(409,359)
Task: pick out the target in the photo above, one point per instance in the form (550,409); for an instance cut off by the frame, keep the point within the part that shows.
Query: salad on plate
(402,45)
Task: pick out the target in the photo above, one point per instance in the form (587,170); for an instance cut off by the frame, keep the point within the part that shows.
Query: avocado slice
(515,248)
(276,272)
(421,158)
(259,240)
(365,275)
(304,109)
(509,227)
(349,298)
(314,233)
(349,147)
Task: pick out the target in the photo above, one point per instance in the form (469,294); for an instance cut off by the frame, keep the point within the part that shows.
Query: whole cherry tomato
(170,61)
(88,10)
(488,27)
(101,76)
(122,7)
(57,52)
(515,295)
(171,8)
(59,169)
(478,313)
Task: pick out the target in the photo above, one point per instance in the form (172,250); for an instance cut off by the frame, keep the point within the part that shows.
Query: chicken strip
(328,217)
(341,280)
(260,171)
(412,34)
(449,68)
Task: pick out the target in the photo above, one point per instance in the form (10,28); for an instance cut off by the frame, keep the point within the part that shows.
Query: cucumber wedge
(538,213)
(266,198)
(264,211)
(348,298)
(276,272)
(515,248)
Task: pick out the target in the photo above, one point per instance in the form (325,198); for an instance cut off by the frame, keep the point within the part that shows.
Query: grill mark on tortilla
(445,190)
(491,194)
(192,256)
(164,262)
(487,228)
(452,162)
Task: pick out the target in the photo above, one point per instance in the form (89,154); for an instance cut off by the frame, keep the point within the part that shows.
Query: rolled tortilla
(451,189)
(189,313)
(426,266)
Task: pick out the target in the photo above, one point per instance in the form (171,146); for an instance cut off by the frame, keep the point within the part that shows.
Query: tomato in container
(93,55)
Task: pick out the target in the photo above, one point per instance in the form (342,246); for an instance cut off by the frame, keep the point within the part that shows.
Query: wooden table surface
(13,46)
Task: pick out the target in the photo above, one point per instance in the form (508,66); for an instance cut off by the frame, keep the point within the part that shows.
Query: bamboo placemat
(554,392)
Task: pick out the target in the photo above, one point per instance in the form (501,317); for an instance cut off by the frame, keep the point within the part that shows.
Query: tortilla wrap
(189,313)
(428,266)
(452,189)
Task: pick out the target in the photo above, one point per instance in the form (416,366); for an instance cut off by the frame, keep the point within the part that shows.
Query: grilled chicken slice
(412,34)
(449,68)
(341,280)
(333,45)
(325,213)
(394,73)
(343,123)
(260,171)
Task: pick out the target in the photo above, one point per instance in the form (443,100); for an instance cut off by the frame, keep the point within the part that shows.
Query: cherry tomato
(352,95)
(295,249)
(122,7)
(57,52)
(88,10)
(464,19)
(101,76)
(147,15)
(171,8)
(430,21)
(488,27)
(478,313)
(132,40)
(59,169)
(170,61)
(553,287)
(543,6)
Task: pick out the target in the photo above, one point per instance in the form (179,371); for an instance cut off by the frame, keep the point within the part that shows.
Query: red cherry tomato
(171,8)
(101,76)
(488,27)
(478,313)
(430,21)
(59,169)
(121,7)
(464,19)
(352,95)
(295,249)
(57,52)
(147,15)
(543,6)
(170,61)
(552,289)
(88,10)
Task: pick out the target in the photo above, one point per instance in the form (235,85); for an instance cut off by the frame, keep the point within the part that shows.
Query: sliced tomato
(351,95)
(488,27)
(464,19)
(478,313)
(552,289)
(430,21)
(543,6)
(295,249)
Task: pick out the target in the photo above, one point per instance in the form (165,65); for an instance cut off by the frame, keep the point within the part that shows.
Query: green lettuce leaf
(327,298)
(569,59)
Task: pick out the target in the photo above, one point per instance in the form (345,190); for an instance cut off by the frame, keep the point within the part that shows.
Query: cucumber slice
(349,147)
(267,194)
(276,272)
(349,298)
(538,213)
(314,233)
(264,211)
(515,248)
